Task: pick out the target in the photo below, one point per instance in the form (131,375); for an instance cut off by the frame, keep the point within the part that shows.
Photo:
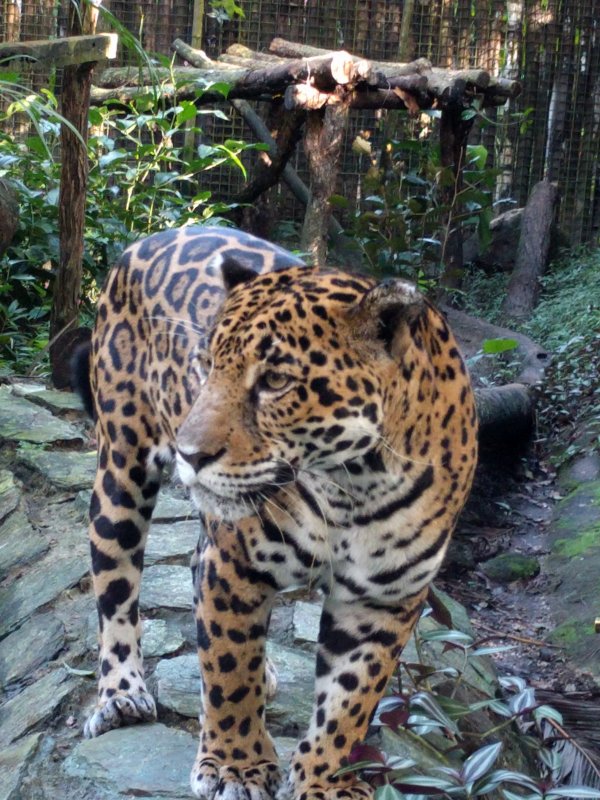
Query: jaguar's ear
(235,273)
(386,312)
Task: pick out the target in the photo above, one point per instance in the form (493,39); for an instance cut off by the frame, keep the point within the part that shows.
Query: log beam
(63,52)
(251,76)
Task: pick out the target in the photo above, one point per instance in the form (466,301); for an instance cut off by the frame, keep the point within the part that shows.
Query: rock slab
(162,756)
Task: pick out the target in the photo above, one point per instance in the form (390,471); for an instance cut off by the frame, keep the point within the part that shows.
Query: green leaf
(480,762)
(477,154)
(388,792)
(492,346)
(514,778)
(430,706)
(82,673)
(547,712)
(573,791)
(109,158)
(186,112)
(492,650)
(452,637)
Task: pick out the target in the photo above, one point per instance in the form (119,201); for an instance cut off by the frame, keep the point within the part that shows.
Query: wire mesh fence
(551,130)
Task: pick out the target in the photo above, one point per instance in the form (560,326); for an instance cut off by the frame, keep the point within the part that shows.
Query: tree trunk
(77,84)
(454,132)
(323,146)
(9,214)
(532,252)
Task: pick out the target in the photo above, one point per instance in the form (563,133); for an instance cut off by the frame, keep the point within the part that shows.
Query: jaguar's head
(296,376)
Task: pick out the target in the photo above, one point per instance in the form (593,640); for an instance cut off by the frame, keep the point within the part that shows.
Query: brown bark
(532,252)
(323,145)
(454,132)
(9,214)
(76,87)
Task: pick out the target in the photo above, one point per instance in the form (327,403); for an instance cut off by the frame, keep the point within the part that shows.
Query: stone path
(48,627)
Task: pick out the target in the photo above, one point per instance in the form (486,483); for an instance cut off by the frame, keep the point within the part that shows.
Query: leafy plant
(144,177)
(405,219)
(567,322)
(226,10)
(463,762)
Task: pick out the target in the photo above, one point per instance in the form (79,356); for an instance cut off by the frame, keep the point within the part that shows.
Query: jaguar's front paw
(354,790)
(210,779)
(120,709)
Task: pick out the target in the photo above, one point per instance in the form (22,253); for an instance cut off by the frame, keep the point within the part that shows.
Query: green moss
(579,544)
(510,567)
(571,632)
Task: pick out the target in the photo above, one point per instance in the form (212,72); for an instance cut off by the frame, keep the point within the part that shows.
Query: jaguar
(325,427)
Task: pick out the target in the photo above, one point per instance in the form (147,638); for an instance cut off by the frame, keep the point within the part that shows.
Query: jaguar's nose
(198,460)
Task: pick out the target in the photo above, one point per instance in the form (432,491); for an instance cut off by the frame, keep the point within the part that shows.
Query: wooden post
(323,146)
(454,132)
(75,103)
(198,24)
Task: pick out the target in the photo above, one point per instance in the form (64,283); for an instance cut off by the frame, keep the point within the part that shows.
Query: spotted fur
(326,428)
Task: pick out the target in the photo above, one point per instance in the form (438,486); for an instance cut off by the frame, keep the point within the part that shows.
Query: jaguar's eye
(274,381)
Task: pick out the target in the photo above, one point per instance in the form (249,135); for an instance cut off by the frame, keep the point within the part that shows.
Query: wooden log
(416,85)
(197,58)
(441,82)
(532,252)
(324,71)
(241,51)
(63,52)
(280,150)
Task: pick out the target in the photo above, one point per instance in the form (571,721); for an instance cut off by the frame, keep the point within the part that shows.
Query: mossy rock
(579,544)
(572,632)
(510,567)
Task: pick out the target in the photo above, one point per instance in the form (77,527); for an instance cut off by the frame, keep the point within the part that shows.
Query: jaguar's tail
(80,377)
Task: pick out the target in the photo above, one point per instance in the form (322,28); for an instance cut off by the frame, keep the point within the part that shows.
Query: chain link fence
(551,130)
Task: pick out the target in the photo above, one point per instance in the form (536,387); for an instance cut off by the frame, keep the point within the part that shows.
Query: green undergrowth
(449,728)
(567,323)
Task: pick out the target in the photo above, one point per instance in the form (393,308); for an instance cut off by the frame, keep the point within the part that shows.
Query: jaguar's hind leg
(122,502)
(359,644)
(236,757)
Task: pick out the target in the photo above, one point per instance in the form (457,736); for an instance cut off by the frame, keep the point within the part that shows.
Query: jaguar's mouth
(234,498)
(230,509)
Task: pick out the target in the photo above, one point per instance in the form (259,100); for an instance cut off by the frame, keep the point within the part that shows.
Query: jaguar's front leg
(123,498)
(359,644)
(236,757)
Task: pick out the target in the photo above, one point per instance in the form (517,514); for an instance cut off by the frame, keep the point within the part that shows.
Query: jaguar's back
(326,428)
